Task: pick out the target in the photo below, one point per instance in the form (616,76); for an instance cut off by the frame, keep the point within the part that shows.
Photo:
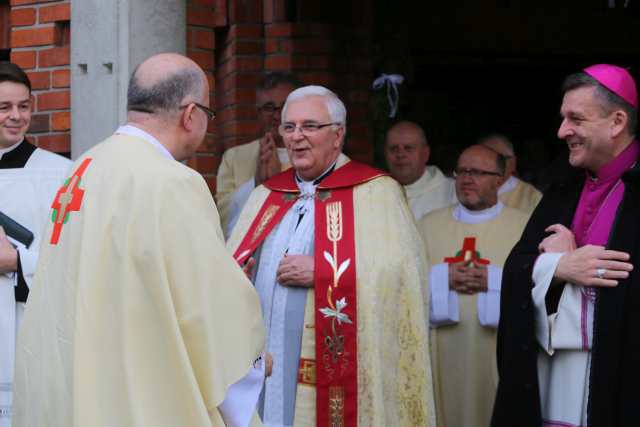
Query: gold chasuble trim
(335,370)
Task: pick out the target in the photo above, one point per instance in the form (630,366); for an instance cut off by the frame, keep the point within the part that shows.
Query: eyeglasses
(473,173)
(208,111)
(305,128)
(270,108)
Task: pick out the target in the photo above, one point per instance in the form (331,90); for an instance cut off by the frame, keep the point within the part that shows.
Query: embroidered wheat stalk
(334,232)
(334,224)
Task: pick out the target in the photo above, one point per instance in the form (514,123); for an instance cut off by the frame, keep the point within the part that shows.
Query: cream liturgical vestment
(433,190)
(139,316)
(235,180)
(463,337)
(520,195)
(28,184)
(393,368)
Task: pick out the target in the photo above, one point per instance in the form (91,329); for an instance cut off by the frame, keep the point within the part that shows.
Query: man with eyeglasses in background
(513,192)
(129,321)
(340,273)
(246,166)
(407,151)
(467,245)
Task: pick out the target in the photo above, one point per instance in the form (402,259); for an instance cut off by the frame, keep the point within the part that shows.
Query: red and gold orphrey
(336,364)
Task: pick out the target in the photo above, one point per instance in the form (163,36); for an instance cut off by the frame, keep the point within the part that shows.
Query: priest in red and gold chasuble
(362,357)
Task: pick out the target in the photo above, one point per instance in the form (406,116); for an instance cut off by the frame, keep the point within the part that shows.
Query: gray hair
(165,95)
(609,101)
(336,108)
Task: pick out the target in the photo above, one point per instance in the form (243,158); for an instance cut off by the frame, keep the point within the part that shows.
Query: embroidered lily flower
(337,313)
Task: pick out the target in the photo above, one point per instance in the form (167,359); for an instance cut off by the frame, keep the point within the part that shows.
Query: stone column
(108,40)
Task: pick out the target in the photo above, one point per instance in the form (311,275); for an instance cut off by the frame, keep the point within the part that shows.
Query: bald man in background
(407,152)
(514,193)
(128,330)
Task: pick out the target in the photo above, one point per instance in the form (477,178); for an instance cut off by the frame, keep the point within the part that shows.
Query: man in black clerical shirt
(29,179)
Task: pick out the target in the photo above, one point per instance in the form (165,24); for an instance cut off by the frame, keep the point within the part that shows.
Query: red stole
(334,282)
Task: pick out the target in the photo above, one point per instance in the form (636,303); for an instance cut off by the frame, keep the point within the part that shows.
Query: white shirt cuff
(240,403)
(543,271)
(444,307)
(489,302)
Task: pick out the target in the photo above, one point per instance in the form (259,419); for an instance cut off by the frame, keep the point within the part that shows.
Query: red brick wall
(253,37)
(235,42)
(334,56)
(40,43)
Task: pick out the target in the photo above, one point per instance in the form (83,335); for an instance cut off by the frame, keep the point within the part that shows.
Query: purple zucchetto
(617,80)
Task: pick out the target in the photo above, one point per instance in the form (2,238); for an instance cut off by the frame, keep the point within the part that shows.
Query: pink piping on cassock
(549,423)
(583,321)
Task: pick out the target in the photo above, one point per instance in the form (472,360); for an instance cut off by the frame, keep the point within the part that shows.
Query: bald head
(406,152)
(168,98)
(407,129)
(501,144)
(161,83)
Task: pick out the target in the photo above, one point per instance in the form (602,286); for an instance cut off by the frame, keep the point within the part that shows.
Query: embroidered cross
(68,199)
(468,253)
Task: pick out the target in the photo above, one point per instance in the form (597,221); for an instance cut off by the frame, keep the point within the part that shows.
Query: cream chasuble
(463,334)
(25,196)
(394,377)
(433,190)
(235,180)
(520,195)
(139,316)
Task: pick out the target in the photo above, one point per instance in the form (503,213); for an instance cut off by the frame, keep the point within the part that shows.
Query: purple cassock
(600,198)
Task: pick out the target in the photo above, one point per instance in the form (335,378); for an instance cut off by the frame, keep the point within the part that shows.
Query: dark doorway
(494,66)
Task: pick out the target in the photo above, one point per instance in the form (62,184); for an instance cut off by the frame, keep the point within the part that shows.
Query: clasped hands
(468,277)
(589,265)
(268,163)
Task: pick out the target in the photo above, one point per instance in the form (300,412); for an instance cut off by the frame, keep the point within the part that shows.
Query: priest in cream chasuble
(138,315)
(340,273)
(407,152)
(246,166)
(513,192)
(467,245)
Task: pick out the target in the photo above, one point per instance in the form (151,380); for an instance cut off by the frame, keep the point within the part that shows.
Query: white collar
(466,216)
(3,151)
(508,185)
(431,177)
(132,130)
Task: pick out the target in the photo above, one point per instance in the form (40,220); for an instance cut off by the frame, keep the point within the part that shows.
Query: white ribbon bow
(391,81)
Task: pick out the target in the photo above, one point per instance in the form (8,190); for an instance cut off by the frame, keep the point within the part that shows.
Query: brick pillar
(40,43)
(238,69)
(202,18)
